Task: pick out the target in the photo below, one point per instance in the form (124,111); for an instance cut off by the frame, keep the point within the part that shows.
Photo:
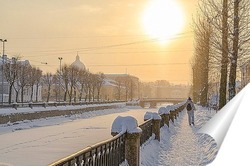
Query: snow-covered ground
(180,145)
(40,142)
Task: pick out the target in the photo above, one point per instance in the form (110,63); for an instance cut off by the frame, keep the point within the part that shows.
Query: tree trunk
(22,95)
(80,96)
(31,95)
(10,93)
(86,97)
(205,71)
(224,59)
(65,94)
(98,95)
(89,94)
(70,93)
(131,90)
(81,92)
(74,94)
(234,59)
(48,96)
(37,87)
(17,93)
(93,94)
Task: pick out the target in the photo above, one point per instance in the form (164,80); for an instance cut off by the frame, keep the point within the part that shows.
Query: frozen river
(43,141)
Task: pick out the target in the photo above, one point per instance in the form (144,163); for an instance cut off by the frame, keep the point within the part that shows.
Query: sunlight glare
(162,19)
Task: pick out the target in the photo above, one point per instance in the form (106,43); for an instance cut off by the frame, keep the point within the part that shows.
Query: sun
(162,19)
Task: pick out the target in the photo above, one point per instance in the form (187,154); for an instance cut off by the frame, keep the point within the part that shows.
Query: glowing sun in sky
(162,19)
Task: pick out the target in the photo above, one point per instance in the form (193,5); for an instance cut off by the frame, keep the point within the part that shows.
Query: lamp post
(3,40)
(60,73)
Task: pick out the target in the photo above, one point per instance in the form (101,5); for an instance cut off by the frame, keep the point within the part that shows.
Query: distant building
(77,63)
(120,87)
(4,93)
(179,91)
(156,90)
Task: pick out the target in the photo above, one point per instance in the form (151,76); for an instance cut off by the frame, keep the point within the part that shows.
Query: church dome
(77,63)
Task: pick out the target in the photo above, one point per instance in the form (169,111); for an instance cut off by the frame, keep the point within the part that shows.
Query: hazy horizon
(109,37)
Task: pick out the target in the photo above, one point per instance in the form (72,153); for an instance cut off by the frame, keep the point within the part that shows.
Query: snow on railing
(55,104)
(128,137)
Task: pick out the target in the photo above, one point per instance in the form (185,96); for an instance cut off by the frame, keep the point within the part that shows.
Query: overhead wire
(94,48)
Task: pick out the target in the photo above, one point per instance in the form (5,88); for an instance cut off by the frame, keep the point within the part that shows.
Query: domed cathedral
(77,63)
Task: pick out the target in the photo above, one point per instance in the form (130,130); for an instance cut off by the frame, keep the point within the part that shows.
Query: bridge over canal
(153,101)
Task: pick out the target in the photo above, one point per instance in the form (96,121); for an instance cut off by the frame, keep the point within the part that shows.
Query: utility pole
(60,74)
(3,40)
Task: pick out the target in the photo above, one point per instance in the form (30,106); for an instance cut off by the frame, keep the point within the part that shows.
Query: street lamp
(60,59)
(3,40)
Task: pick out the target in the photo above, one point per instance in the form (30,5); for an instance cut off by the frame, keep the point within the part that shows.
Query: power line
(88,36)
(159,64)
(83,49)
(113,52)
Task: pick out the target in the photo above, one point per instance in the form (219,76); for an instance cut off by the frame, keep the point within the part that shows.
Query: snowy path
(183,147)
(180,145)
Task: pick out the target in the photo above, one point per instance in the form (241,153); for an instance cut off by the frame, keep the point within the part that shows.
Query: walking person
(190,111)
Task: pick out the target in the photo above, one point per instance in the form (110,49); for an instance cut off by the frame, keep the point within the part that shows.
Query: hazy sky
(108,35)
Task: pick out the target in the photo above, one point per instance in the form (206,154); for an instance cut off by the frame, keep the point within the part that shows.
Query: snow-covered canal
(41,142)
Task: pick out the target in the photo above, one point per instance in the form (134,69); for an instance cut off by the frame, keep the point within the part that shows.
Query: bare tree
(130,87)
(127,87)
(99,82)
(11,75)
(240,36)
(65,78)
(38,81)
(232,40)
(201,60)
(224,58)
(24,78)
(120,86)
(92,86)
(35,75)
(48,81)
(72,77)
(81,80)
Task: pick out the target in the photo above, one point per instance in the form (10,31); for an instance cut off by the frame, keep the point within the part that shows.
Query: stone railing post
(175,113)
(132,148)
(172,115)
(165,114)
(156,128)
(166,118)
(128,125)
(156,123)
